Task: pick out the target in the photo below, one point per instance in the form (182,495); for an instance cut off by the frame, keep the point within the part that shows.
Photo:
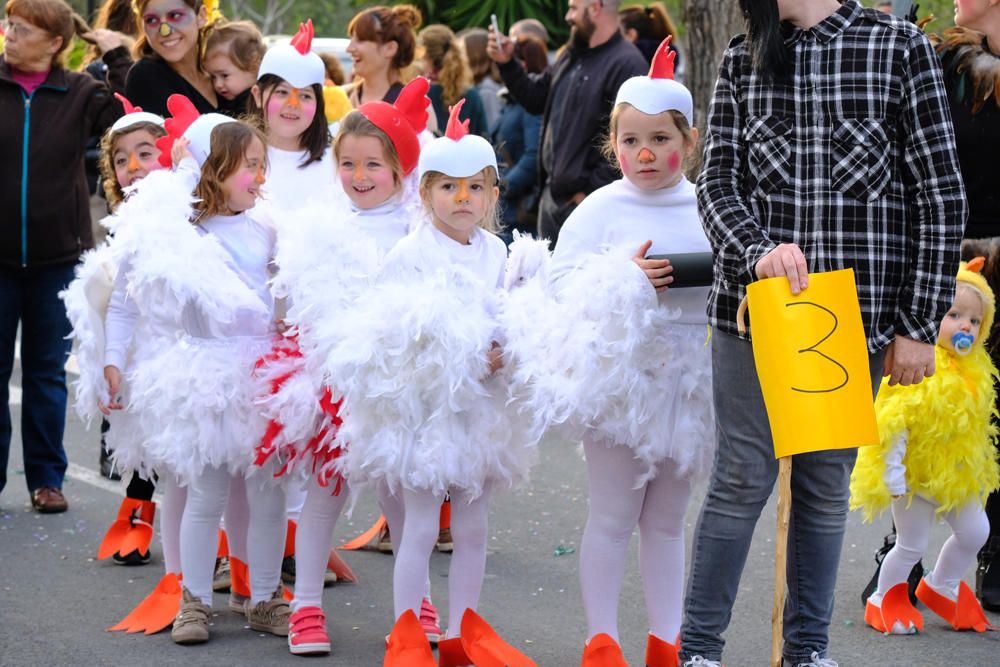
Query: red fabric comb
(304,38)
(182,114)
(663,61)
(456,128)
(128,106)
(413,102)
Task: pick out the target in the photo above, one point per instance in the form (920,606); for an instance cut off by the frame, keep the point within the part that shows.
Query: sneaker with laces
(814,661)
(430,621)
(270,615)
(698,661)
(223,577)
(307,632)
(238,603)
(191,622)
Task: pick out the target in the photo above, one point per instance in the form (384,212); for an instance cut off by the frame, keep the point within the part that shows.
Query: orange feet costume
(964,613)
(155,612)
(660,653)
(894,608)
(602,651)
(479,646)
(132,529)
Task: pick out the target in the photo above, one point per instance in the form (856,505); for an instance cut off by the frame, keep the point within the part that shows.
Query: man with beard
(829,146)
(576,94)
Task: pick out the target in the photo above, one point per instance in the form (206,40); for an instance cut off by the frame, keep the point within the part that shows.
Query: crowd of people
(315,284)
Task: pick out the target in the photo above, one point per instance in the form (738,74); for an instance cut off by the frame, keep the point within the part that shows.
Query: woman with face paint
(167,56)
(643,479)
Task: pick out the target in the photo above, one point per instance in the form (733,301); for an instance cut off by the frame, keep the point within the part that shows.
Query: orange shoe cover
(239,573)
(157,611)
(341,568)
(445,518)
(132,529)
(485,647)
(223,551)
(963,614)
(896,607)
(660,653)
(365,538)
(451,653)
(602,651)
(290,539)
(407,645)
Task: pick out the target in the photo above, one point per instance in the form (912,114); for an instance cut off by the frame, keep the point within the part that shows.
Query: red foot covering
(290,538)
(602,651)
(452,654)
(896,606)
(662,654)
(340,568)
(963,614)
(364,538)
(485,647)
(223,551)
(239,574)
(407,645)
(284,349)
(132,529)
(157,610)
(445,519)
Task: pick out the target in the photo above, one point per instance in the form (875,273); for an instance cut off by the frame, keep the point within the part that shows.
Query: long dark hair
(315,139)
(771,58)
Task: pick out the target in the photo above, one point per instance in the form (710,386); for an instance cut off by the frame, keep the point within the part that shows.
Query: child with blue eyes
(936,461)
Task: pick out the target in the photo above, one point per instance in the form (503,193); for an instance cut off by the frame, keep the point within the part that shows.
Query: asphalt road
(56,600)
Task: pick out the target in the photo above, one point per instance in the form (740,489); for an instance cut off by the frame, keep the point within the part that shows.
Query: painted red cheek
(625,166)
(274,107)
(674,161)
(245,179)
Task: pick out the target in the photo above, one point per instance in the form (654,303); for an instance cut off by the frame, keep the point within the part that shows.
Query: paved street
(55,599)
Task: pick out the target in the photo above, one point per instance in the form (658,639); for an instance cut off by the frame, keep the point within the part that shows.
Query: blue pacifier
(962,342)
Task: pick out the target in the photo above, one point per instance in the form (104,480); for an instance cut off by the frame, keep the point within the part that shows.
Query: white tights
(313,541)
(265,537)
(616,508)
(421,524)
(171,511)
(392,508)
(970,530)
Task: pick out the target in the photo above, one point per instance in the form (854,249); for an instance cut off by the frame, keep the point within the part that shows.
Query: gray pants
(742,480)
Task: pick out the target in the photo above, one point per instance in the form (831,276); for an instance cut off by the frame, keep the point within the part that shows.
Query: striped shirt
(853,160)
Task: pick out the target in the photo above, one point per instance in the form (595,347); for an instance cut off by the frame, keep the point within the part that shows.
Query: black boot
(988,575)
(916,574)
(107,467)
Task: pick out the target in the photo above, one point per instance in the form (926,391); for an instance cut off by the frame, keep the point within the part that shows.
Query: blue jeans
(30,296)
(742,480)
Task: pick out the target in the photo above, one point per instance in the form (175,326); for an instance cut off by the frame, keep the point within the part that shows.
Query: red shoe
(307,632)
(661,654)
(486,648)
(430,621)
(602,651)
(894,614)
(132,529)
(965,613)
(156,611)
(407,646)
(451,653)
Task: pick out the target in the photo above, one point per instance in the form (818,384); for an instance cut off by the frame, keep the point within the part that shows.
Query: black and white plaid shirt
(854,161)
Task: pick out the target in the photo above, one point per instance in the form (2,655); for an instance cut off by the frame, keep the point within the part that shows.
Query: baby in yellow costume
(936,460)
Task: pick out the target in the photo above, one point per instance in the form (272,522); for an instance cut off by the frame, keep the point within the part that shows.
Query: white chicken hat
(658,92)
(457,154)
(294,61)
(133,116)
(185,121)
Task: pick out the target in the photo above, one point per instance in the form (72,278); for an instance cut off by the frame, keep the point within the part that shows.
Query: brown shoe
(191,622)
(271,615)
(48,500)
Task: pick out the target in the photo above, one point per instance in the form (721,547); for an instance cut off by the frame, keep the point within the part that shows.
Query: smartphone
(691,269)
(496,29)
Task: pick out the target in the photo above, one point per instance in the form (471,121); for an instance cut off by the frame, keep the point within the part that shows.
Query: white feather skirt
(195,400)
(420,410)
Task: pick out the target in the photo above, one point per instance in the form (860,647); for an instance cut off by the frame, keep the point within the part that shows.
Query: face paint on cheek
(274,107)
(626,169)
(246,179)
(674,161)
(308,109)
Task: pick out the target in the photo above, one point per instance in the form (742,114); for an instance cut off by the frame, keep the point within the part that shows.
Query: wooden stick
(780,556)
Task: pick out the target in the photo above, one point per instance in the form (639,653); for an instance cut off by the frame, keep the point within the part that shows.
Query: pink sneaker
(307,632)
(429,621)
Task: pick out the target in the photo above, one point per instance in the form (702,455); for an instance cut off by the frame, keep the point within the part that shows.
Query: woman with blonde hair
(446,66)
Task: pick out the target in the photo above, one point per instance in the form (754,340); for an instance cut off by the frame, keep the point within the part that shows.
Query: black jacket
(44,198)
(590,81)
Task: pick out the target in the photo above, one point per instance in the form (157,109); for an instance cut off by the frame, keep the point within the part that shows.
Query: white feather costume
(194,396)
(421,410)
(600,352)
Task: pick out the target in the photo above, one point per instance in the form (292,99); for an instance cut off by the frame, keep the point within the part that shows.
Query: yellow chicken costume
(944,432)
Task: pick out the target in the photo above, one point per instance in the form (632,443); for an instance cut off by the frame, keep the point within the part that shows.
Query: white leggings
(314,539)
(970,529)
(265,536)
(616,508)
(171,511)
(421,524)
(392,508)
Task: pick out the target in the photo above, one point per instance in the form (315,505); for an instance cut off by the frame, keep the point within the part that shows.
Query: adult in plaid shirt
(829,145)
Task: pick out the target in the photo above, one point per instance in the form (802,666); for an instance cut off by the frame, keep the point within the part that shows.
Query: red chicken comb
(456,128)
(182,114)
(663,61)
(304,37)
(413,102)
(128,106)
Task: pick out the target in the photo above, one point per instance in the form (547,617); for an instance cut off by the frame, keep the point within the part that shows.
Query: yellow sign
(812,362)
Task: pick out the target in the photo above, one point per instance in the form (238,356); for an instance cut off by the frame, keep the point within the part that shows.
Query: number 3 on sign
(812,362)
